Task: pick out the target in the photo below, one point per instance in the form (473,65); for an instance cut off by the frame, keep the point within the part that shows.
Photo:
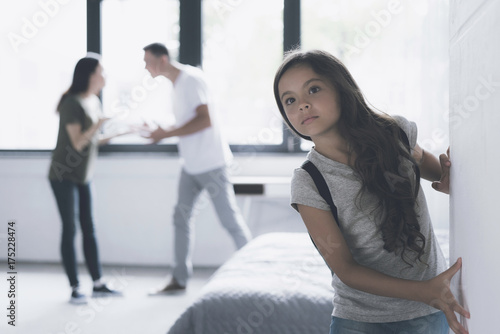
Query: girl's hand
(438,294)
(443,185)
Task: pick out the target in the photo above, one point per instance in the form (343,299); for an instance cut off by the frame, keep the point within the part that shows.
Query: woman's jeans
(432,324)
(73,198)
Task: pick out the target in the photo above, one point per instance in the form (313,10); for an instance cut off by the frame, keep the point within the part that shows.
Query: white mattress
(277,283)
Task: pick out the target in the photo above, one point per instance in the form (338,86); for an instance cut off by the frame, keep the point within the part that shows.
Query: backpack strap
(320,183)
(404,138)
(322,186)
(324,191)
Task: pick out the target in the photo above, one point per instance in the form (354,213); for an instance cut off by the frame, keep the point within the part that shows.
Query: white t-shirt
(204,150)
(92,106)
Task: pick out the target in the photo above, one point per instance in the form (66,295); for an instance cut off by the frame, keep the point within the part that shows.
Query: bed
(277,283)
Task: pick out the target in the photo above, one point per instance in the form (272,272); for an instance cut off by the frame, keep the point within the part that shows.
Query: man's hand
(156,135)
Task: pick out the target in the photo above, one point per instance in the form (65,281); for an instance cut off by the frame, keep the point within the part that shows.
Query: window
(131,96)
(44,40)
(242,48)
(396,51)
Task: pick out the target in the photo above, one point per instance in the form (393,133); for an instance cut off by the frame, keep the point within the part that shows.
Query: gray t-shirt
(360,229)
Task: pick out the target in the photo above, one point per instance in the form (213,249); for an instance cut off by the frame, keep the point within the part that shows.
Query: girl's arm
(430,169)
(332,246)
(434,170)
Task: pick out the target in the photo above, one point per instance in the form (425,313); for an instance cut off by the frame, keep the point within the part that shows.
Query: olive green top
(67,163)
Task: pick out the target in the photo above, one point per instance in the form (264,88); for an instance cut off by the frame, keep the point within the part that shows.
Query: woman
(72,169)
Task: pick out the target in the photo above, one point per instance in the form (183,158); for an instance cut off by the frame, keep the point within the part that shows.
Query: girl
(72,168)
(390,273)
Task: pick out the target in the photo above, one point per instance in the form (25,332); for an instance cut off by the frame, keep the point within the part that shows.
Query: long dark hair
(383,161)
(81,76)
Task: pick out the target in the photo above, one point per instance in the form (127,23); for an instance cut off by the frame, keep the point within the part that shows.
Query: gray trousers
(221,192)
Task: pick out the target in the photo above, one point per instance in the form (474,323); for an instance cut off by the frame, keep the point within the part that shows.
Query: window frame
(191,52)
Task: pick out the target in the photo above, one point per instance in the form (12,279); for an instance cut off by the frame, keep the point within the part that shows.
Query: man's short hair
(157,49)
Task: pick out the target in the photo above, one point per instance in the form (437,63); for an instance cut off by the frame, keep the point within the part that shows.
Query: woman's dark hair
(383,161)
(157,49)
(81,76)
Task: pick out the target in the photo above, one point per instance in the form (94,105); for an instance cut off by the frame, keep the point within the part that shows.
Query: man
(204,154)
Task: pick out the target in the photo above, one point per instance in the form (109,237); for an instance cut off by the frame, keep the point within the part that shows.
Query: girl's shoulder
(401,121)
(300,177)
(333,172)
(409,127)
(304,191)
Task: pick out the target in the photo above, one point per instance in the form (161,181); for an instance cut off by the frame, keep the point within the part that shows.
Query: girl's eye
(289,101)
(314,89)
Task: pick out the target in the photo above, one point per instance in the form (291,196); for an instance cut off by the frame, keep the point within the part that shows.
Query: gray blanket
(277,283)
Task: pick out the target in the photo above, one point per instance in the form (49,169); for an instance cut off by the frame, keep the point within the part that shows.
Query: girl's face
(97,81)
(310,101)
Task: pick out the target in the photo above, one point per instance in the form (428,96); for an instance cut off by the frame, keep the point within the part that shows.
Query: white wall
(474,135)
(134,200)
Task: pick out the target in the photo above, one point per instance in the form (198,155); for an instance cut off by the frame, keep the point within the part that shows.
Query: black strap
(322,186)
(324,191)
(404,138)
(320,183)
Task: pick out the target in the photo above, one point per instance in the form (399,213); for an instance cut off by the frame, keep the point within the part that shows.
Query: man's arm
(199,122)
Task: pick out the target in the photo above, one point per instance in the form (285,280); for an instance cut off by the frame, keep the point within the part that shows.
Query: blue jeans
(432,324)
(72,198)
